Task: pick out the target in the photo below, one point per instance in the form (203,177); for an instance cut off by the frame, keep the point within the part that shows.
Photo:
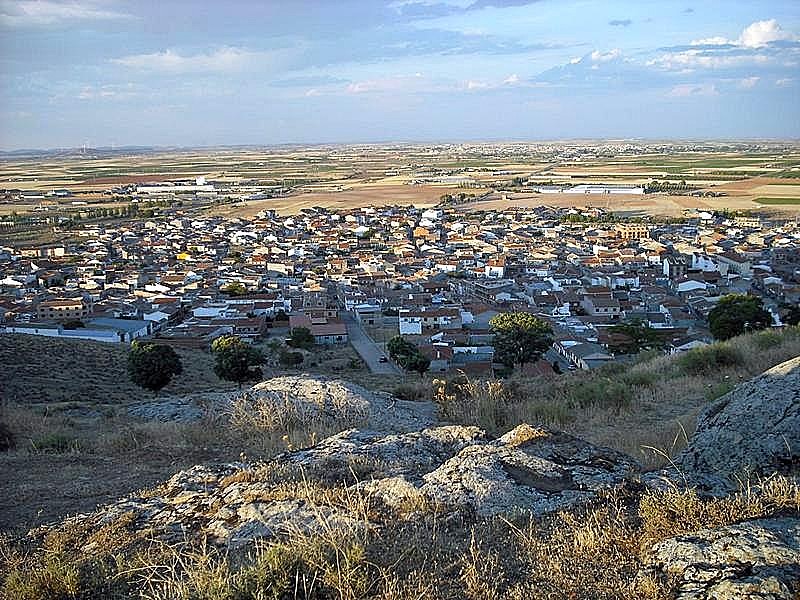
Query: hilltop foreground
(398,509)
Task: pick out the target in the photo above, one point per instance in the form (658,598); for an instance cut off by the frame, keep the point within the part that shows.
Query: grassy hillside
(43,370)
(62,464)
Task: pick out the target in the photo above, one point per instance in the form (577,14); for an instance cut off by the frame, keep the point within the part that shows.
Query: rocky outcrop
(755,559)
(305,400)
(284,402)
(753,430)
(537,470)
(457,469)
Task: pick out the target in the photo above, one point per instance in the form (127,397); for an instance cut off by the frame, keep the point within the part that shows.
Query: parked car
(383,359)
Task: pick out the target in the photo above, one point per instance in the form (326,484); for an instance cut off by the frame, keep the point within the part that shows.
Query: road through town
(368,350)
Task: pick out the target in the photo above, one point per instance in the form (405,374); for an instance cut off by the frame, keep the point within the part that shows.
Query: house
(689,342)
(326,331)
(603,306)
(584,355)
(63,309)
(414,322)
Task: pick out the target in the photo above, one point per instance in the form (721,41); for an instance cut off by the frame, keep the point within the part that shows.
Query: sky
(193,73)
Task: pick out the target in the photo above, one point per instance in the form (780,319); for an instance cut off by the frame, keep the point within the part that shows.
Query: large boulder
(530,469)
(302,400)
(753,430)
(755,559)
(458,469)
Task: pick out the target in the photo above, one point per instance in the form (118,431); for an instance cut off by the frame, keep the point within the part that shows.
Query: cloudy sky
(180,72)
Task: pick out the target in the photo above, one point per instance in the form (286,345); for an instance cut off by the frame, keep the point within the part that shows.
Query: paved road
(368,350)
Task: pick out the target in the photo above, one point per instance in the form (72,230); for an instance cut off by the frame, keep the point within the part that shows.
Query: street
(369,352)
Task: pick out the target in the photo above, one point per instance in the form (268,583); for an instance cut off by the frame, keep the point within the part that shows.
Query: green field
(779,201)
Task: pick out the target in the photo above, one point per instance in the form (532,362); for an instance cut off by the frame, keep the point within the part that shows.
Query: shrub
(640,378)
(57,443)
(290,359)
(409,391)
(301,338)
(236,360)
(765,340)
(606,393)
(710,358)
(717,391)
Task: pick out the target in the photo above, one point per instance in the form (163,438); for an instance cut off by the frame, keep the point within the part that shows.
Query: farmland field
(779,201)
(716,176)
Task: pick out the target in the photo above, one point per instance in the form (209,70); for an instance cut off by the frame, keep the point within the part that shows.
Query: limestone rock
(457,468)
(414,453)
(281,402)
(528,469)
(755,559)
(754,429)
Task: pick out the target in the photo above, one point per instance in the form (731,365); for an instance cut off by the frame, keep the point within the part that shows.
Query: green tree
(152,366)
(736,314)
(301,338)
(519,338)
(638,337)
(399,347)
(234,289)
(790,314)
(417,362)
(236,360)
(290,359)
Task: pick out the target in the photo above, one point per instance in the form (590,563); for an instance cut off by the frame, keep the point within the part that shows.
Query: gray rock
(414,453)
(755,559)
(287,401)
(753,430)
(528,469)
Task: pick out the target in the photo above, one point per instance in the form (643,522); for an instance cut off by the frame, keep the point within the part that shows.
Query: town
(609,286)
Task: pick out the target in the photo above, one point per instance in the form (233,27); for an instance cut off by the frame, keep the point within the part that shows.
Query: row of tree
(152,365)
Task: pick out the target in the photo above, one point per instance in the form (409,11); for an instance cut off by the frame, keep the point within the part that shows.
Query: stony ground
(362,481)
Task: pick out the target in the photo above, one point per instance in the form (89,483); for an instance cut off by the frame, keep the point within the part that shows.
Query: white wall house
(409,323)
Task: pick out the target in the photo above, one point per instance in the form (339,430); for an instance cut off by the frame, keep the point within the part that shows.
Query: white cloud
(512,79)
(108,92)
(223,60)
(761,33)
(749,82)
(689,60)
(712,41)
(749,49)
(756,35)
(27,13)
(401,83)
(598,56)
(687,90)
(476,85)
(784,81)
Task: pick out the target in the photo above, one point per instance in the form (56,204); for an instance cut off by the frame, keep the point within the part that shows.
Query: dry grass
(594,553)
(651,404)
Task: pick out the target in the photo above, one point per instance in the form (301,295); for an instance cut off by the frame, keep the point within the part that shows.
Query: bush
(709,359)
(605,393)
(236,360)
(640,378)
(765,340)
(408,391)
(717,391)
(152,366)
(57,443)
(290,359)
(301,338)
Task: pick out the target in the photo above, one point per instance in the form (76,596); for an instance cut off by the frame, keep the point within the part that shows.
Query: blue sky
(181,73)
